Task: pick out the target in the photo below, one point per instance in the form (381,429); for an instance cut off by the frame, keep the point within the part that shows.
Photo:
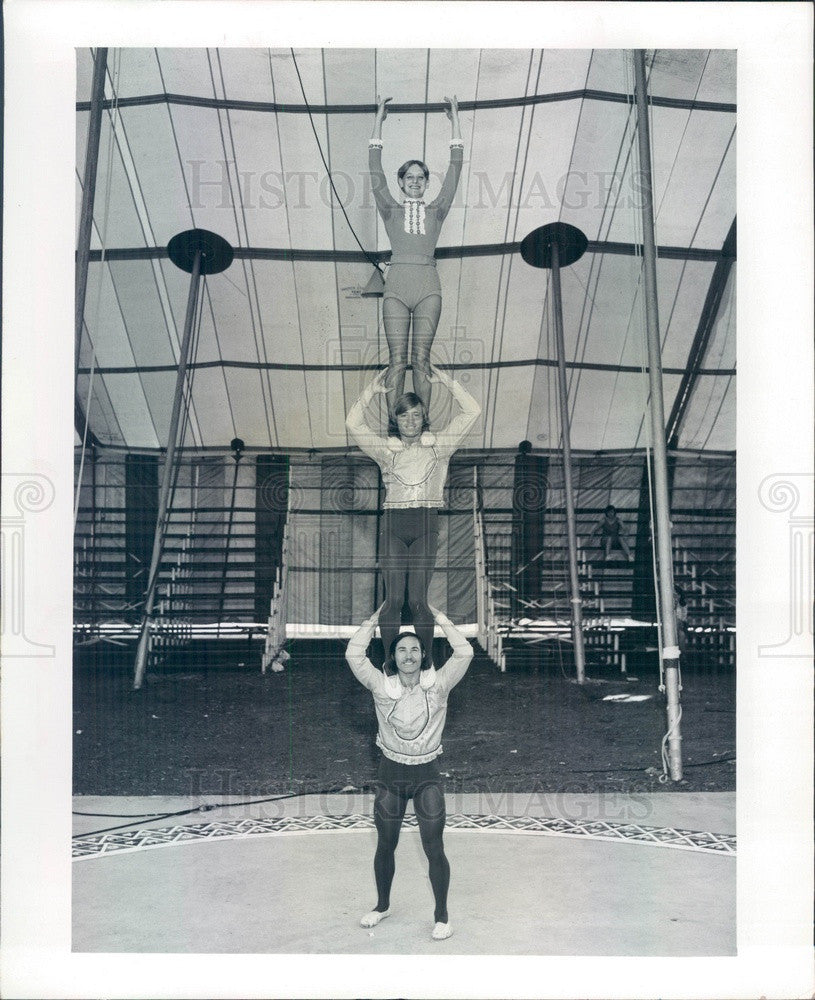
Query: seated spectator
(612,531)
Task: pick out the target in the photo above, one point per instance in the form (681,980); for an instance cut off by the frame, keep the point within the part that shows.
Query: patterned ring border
(138,840)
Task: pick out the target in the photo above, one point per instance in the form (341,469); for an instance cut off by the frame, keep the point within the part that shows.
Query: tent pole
(167,476)
(670,653)
(88,195)
(198,252)
(554,246)
(563,398)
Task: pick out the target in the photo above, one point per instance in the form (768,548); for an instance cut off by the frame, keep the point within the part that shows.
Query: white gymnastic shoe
(372,919)
(441,931)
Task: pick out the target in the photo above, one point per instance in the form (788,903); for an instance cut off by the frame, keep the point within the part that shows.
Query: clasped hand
(378,382)
(374,617)
(437,375)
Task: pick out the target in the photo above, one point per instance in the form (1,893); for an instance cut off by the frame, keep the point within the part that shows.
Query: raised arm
(385,201)
(456,667)
(356,652)
(368,440)
(444,199)
(450,438)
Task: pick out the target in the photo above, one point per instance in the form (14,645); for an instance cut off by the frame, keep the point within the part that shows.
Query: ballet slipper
(441,931)
(427,678)
(372,919)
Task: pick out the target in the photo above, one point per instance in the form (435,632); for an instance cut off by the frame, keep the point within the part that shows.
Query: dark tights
(389,810)
(408,542)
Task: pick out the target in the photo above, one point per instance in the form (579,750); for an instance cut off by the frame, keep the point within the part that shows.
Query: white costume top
(414,475)
(411,720)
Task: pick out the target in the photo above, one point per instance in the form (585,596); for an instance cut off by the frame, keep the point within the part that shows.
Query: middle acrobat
(412,288)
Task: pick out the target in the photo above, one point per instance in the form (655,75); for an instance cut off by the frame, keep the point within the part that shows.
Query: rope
(98,305)
(561,612)
(725,341)
(380,323)
(575,372)
(206,807)
(618,172)
(466,183)
(194,468)
(426,96)
(368,256)
(242,228)
(658,208)
(325,164)
(664,777)
(628,140)
(345,403)
(499,319)
(185,420)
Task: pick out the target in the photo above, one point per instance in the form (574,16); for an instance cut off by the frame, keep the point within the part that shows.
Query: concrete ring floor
(606,874)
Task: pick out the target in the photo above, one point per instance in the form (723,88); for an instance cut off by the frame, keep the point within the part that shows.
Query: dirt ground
(201,726)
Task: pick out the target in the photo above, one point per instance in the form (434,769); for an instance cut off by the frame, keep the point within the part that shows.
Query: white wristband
(374,144)
(456,144)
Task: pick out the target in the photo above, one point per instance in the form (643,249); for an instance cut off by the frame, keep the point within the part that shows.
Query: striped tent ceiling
(240,142)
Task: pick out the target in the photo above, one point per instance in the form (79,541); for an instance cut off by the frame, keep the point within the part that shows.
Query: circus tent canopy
(238,141)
